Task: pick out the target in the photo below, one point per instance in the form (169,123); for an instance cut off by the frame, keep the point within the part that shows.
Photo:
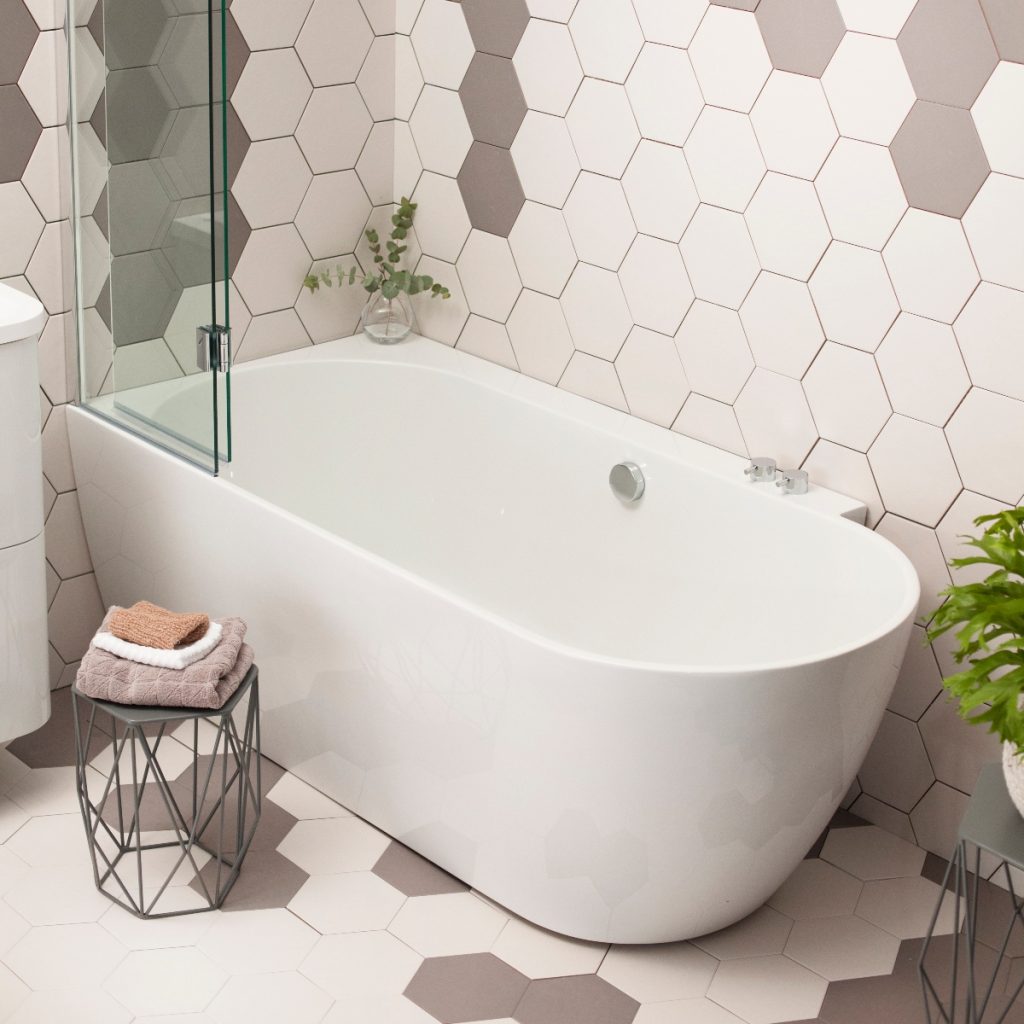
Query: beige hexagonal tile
(759,934)
(816,889)
(896,768)
(271,94)
(904,906)
(838,948)
(867,852)
(542,954)
(651,974)
(768,989)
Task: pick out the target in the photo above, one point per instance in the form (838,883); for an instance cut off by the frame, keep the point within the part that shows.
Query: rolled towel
(149,625)
(158,657)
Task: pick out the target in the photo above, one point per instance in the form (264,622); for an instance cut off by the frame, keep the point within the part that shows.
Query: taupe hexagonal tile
(20,34)
(473,987)
(144,291)
(134,32)
(21,130)
(184,60)
(496,25)
(1007,27)
(493,100)
(578,999)
(414,875)
(800,35)
(237,52)
(140,209)
(138,111)
(948,51)
(491,189)
(939,158)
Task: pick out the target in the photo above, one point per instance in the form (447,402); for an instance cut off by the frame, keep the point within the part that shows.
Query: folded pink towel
(206,683)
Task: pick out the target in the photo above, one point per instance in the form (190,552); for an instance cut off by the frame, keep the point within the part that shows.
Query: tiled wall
(35,257)
(785,227)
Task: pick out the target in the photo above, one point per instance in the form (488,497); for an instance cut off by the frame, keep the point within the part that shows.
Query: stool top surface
(137,714)
(991,821)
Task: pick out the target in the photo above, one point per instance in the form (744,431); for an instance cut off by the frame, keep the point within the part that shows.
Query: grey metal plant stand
(971,990)
(143,827)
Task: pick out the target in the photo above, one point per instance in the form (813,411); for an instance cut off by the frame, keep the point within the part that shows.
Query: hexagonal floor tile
(768,990)
(760,934)
(361,964)
(267,879)
(816,889)
(414,875)
(259,942)
(165,981)
(652,974)
(842,947)
(580,999)
(354,901)
(477,986)
(904,906)
(447,925)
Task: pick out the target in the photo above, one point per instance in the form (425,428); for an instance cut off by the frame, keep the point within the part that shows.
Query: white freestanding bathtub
(623,722)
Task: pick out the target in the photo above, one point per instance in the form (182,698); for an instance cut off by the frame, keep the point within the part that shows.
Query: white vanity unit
(24,671)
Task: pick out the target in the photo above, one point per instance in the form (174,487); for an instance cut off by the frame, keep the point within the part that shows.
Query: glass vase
(387,321)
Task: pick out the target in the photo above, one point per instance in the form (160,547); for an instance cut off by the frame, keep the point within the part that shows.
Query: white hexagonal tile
(936,820)
(488,340)
(13,991)
(447,925)
(838,948)
(930,265)
(595,379)
(654,281)
(489,276)
(84,1006)
(542,954)
(759,934)
(781,324)
(672,22)
(377,81)
(919,544)
(260,941)
(986,435)
(542,248)
(12,817)
(876,17)
(861,193)
(660,190)
(334,41)
(265,24)
(271,182)
(442,319)
(853,296)
(271,269)
(442,224)
(442,43)
(956,758)
(651,376)
(719,256)
(156,933)
(916,475)
(920,679)
(904,906)
(61,957)
(547,67)
(712,422)
(271,94)
(989,340)
(996,114)
(330,845)
(599,220)
(440,130)
(45,65)
(816,889)
(333,128)
(596,311)
(13,927)
(922,369)
(677,970)
(868,88)
(793,124)
(540,336)
(768,989)
(361,964)
(664,93)
(868,853)
(602,127)
(408,78)
(994,223)
(714,352)
(45,791)
(846,396)
(407,166)
(607,37)
(355,901)
(545,158)
(724,158)
(774,417)
(22,228)
(283,995)
(730,58)
(787,226)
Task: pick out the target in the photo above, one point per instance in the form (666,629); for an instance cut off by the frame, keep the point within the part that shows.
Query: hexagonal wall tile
(333,214)
(334,126)
(271,94)
(781,324)
(20,34)
(496,25)
(793,124)
(939,158)
(994,223)
(442,224)
(651,376)
(596,311)
(491,189)
(724,158)
(730,59)
(774,416)
(545,158)
(957,755)
(713,351)
(22,129)
(719,256)
(547,67)
(994,114)
(443,45)
(919,544)
(988,340)
(607,36)
(986,435)
(787,226)
(712,422)
(542,249)
(660,190)
(493,99)
(271,182)
(599,220)
(664,93)
(271,269)
(846,396)
(334,41)
(489,276)
(266,25)
(800,37)
(540,335)
(441,131)
(138,110)
(603,130)
(655,284)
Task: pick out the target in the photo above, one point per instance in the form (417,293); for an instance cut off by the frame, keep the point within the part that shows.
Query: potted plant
(989,619)
(388,315)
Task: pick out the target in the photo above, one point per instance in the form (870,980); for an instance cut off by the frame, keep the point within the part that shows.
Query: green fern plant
(387,276)
(989,621)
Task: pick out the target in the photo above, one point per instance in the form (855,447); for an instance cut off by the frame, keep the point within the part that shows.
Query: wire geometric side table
(972,988)
(145,830)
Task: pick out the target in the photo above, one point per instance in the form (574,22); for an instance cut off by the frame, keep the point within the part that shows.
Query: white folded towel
(178,657)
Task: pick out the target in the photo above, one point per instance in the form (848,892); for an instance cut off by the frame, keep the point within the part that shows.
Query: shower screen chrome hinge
(213,347)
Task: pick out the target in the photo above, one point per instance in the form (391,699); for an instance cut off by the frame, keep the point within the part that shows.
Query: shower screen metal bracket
(213,347)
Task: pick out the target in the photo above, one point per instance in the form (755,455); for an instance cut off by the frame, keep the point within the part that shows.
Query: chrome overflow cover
(627,481)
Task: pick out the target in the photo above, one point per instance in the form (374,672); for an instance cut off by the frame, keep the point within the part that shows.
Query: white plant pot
(1013,772)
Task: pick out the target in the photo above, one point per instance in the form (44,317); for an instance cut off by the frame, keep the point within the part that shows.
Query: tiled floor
(333,922)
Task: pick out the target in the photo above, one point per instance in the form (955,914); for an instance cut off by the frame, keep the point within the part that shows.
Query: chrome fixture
(627,481)
(213,348)
(793,481)
(761,469)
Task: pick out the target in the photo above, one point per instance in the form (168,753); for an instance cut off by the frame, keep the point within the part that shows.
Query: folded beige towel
(149,625)
(206,683)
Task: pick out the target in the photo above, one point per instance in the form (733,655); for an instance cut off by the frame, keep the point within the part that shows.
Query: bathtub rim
(902,565)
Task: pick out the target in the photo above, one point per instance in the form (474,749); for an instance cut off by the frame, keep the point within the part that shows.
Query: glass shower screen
(150,220)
